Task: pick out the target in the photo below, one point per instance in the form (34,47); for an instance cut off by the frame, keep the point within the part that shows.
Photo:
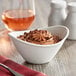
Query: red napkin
(17,67)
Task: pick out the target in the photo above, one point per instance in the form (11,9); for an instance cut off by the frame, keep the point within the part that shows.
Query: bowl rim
(32,44)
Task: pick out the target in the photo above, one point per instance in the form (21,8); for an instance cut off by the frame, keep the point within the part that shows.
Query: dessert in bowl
(40,53)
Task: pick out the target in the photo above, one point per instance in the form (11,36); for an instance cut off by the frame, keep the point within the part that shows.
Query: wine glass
(20,15)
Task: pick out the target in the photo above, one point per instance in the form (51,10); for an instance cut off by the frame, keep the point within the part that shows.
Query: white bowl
(39,54)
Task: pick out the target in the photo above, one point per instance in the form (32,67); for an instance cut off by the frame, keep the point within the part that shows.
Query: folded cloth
(17,67)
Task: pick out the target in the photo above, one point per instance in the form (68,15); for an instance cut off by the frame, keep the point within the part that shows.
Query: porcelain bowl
(39,54)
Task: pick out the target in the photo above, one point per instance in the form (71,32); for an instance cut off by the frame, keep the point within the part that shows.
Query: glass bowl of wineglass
(20,16)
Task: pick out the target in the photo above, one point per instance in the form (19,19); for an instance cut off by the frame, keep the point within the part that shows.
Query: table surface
(63,64)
